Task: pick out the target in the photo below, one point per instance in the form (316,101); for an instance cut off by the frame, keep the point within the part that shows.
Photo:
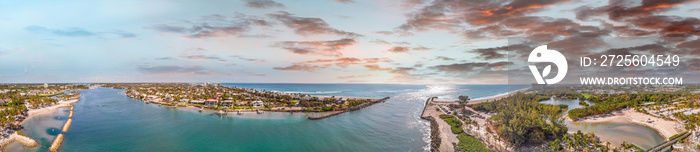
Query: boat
(200,110)
(259,112)
(239,112)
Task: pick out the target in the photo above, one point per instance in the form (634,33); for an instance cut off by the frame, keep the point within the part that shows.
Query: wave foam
(315,92)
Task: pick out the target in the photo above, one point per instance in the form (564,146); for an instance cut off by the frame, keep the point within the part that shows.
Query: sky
(311,41)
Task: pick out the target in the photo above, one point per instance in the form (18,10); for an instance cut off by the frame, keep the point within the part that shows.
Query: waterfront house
(257,104)
(185,100)
(341,101)
(242,103)
(211,102)
(153,98)
(227,103)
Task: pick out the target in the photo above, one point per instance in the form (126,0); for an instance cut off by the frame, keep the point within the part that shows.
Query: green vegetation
(692,120)
(15,99)
(676,136)
(520,118)
(580,141)
(233,97)
(614,102)
(563,106)
(455,124)
(470,144)
(463,100)
(625,145)
(583,103)
(585,96)
(49,95)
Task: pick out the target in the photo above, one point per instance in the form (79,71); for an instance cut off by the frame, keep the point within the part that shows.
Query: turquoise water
(106,120)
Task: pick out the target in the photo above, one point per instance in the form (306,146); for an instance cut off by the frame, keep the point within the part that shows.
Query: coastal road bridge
(667,143)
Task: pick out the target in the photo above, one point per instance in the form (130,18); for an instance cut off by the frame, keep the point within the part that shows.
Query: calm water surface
(106,120)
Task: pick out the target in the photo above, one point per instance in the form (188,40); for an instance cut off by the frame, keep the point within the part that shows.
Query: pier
(358,107)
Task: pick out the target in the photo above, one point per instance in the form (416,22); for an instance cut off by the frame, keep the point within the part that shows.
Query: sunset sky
(275,41)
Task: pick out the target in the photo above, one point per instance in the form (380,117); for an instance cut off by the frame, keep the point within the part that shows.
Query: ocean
(106,120)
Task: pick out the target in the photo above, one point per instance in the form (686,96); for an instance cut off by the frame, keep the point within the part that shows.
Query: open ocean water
(106,120)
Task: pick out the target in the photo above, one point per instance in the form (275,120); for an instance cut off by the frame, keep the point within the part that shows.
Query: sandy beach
(489,98)
(666,128)
(35,112)
(446,135)
(26,141)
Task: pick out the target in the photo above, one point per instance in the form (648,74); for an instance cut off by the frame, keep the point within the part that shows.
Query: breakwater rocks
(326,116)
(59,139)
(56,143)
(435,139)
(350,109)
(67,125)
(21,139)
(434,134)
(26,141)
(355,108)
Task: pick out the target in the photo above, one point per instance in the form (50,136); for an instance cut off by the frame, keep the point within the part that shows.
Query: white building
(258,104)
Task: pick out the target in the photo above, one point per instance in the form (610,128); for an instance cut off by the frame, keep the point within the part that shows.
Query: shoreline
(666,128)
(485,99)
(495,97)
(40,111)
(325,114)
(444,134)
(27,141)
(276,109)
(245,111)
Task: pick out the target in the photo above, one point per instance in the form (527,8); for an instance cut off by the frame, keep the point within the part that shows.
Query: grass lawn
(586,96)
(49,95)
(470,143)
